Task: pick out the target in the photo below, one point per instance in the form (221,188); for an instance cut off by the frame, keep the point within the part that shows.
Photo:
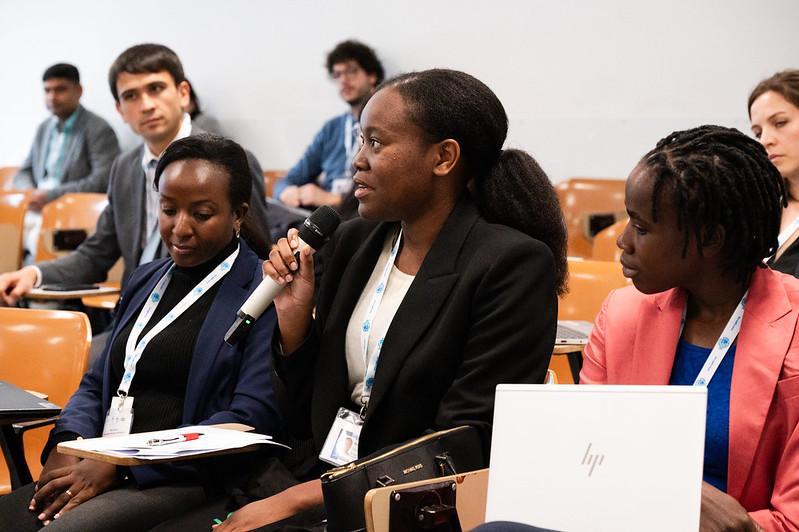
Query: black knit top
(159,385)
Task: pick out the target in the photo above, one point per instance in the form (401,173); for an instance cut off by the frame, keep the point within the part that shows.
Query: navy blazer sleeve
(240,385)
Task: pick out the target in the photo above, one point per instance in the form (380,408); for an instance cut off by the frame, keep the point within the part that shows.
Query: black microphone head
(319,226)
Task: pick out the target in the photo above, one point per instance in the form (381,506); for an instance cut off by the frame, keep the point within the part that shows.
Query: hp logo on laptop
(592,460)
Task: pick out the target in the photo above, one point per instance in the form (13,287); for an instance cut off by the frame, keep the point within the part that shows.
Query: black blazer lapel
(210,342)
(424,299)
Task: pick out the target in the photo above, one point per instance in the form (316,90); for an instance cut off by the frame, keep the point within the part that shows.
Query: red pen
(177,439)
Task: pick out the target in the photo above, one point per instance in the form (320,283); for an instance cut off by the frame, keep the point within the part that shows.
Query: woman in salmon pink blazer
(705,208)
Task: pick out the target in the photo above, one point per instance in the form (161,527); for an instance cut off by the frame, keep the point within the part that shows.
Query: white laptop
(573,332)
(578,458)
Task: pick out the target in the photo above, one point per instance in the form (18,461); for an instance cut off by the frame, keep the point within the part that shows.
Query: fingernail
(289,278)
(294,243)
(42,517)
(280,280)
(56,516)
(293,265)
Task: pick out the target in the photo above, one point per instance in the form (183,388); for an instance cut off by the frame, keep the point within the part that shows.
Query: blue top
(325,154)
(689,360)
(57,143)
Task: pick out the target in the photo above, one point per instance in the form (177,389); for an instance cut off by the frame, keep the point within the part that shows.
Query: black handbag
(442,453)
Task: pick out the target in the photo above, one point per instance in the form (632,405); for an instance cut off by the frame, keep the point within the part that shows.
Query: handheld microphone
(316,230)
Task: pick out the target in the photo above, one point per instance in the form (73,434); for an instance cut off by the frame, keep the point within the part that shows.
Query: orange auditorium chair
(12,222)
(46,351)
(582,197)
(605,247)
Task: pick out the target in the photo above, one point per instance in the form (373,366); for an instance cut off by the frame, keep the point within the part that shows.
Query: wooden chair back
(270,178)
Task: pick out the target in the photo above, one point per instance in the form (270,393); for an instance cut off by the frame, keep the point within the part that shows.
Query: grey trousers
(123,509)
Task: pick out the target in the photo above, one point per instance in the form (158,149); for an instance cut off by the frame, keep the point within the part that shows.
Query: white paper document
(173,443)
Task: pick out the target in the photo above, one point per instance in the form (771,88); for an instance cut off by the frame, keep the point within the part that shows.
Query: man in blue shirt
(324,174)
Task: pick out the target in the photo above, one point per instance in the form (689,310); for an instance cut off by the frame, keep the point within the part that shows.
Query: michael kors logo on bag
(411,469)
(592,460)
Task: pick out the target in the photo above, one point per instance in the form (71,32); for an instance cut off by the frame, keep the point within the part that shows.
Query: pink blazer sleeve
(594,368)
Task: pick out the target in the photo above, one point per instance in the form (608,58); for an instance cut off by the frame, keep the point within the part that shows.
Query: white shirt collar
(183,132)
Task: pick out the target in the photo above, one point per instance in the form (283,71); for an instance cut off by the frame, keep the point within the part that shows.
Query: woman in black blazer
(774,114)
(467,294)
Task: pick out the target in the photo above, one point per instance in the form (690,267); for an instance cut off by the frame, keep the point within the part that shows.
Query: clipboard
(103,456)
(38,293)
(471,487)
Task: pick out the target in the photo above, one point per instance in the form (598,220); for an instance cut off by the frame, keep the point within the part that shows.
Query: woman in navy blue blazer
(167,353)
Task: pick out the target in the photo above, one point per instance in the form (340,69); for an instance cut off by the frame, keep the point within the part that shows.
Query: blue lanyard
(135,347)
(722,345)
(366,328)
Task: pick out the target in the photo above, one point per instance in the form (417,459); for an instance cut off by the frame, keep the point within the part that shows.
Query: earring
(238,231)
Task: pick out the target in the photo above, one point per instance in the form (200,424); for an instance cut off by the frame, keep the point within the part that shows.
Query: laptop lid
(597,458)
(17,404)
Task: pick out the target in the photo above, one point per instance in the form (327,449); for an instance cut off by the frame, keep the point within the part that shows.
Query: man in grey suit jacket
(73,150)
(150,89)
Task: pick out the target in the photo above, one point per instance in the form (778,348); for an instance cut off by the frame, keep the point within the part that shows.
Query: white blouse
(396,288)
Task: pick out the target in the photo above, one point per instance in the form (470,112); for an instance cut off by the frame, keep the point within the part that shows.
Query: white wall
(589,86)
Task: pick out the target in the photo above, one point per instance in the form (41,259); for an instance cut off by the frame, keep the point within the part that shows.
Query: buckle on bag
(445,464)
(384,481)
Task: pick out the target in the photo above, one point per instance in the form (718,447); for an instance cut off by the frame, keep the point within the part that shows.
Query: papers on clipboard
(173,443)
(43,293)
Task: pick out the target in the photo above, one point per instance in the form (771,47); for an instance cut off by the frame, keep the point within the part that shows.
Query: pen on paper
(177,439)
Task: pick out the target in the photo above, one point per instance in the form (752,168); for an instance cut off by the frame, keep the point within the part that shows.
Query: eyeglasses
(346,72)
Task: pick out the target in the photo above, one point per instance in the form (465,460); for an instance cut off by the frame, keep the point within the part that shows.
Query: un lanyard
(722,345)
(135,347)
(366,328)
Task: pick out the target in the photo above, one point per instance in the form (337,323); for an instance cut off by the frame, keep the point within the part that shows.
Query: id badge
(341,445)
(119,418)
(341,186)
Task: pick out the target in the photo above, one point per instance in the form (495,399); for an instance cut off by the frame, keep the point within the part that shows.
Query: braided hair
(508,186)
(719,177)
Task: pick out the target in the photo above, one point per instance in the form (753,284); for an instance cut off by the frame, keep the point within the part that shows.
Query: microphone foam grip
(319,226)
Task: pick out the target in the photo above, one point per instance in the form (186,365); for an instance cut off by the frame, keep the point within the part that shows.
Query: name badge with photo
(119,418)
(341,445)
